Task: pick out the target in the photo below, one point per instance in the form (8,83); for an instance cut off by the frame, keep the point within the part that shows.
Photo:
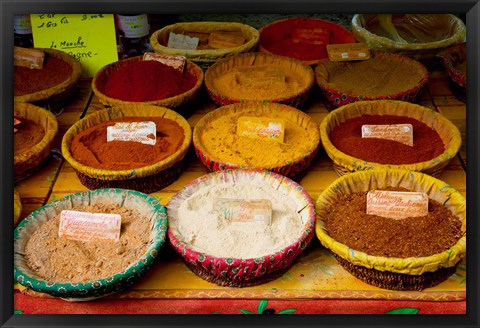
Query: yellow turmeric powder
(220,140)
(259,83)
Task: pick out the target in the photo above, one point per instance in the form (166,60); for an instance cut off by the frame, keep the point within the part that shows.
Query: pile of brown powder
(63,260)
(348,223)
(28,135)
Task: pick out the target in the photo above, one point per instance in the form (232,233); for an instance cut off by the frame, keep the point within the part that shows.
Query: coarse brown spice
(62,260)
(346,221)
(28,135)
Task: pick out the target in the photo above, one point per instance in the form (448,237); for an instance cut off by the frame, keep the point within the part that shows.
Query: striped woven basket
(57,96)
(103,74)
(28,161)
(204,57)
(413,273)
(145,179)
(344,163)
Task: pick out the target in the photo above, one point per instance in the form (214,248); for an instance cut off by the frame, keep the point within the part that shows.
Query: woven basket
(77,291)
(343,163)
(103,74)
(145,179)
(413,273)
(249,60)
(275,33)
(204,58)
(242,272)
(17,207)
(28,161)
(419,80)
(366,27)
(295,169)
(458,80)
(57,96)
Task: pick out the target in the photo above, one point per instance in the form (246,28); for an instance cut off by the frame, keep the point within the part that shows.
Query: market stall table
(315,284)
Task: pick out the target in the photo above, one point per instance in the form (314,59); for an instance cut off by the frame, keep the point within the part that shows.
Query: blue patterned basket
(144,204)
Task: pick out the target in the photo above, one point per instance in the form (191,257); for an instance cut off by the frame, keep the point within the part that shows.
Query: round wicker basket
(453,57)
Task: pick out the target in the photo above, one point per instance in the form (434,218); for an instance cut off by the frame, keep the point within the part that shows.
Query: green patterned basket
(77,291)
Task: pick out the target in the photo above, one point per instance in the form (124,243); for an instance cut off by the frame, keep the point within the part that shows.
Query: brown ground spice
(348,223)
(28,135)
(90,147)
(63,260)
(27,80)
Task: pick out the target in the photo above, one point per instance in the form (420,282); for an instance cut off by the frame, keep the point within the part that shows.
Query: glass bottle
(133,35)
(22,31)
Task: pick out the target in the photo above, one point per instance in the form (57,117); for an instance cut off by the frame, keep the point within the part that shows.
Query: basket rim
(152,111)
(174,101)
(198,129)
(143,262)
(304,238)
(202,52)
(377,55)
(346,160)
(386,42)
(232,58)
(47,139)
(384,263)
(59,88)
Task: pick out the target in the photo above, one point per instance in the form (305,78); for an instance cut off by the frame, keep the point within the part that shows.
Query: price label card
(397,204)
(85,226)
(177,62)
(241,210)
(180,41)
(348,51)
(31,58)
(90,38)
(143,132)
(402,133)
(261,128)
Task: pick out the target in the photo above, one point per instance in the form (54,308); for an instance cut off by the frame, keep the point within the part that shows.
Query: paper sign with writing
(348,51)
(85,226)
(261,128)
(90,38)
(31,58)
(402,133)
(177,62)
(397,204)
(180,41)
(143,132)
(242,210)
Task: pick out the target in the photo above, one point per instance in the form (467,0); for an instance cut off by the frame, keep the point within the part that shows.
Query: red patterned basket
(341,97)
(235,272)
(249,60)
(451,59)
(294,169)
(280,33)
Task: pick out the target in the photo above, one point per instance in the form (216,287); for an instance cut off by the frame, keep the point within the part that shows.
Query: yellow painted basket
(344,163)
(145,179)
(413,273)
(204,57)
(28,161)
(172,102)
(17,207)
(56,96)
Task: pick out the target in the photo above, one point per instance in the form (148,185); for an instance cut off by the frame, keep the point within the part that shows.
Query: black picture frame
(469,8)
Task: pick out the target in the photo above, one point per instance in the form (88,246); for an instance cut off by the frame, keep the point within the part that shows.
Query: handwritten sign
(90,38)
(177,62)
(397,204)
(242,210)
(402,133)
(85,226)
(261,128)
(143,132)
(180,41)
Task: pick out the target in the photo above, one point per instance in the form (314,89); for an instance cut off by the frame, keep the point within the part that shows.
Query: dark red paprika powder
(146,81)
(347,137)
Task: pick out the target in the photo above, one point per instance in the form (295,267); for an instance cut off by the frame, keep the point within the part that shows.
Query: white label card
(85,226)
(402,133)
(143,132)
(397,204)
(180,41)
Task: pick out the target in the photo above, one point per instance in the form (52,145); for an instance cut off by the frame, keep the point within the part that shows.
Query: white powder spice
(207,232)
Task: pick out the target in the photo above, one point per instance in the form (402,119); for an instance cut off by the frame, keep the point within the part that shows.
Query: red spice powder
(30,80)
(347,137)
(146,81)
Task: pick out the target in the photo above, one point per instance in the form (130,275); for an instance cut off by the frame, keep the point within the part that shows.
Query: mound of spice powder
(30,80)
(90,147)
(347,137)
(347,222)
(146,80)
(28,135)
